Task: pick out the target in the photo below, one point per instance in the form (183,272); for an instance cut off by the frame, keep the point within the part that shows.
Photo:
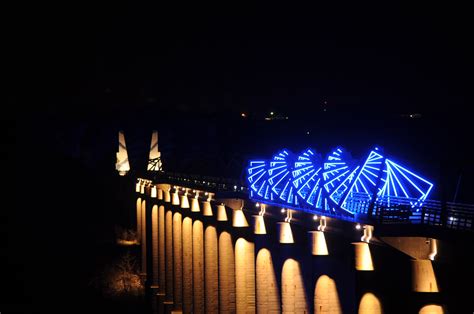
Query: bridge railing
(387,210)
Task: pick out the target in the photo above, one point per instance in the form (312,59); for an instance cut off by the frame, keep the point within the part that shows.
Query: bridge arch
(370,304)
(268,294)
(326,298)
(292,288)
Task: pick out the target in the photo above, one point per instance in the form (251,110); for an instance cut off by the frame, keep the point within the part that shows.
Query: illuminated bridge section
(337,185)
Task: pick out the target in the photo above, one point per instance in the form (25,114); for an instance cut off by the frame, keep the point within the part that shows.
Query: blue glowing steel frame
(337,185)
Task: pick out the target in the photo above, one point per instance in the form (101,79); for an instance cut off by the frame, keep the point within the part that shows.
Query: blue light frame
(335,186)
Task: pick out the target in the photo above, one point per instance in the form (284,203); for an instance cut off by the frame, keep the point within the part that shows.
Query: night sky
(347,73)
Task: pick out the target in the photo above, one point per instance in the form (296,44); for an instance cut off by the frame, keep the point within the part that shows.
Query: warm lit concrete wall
(292,288)
(226,274)
(187,265)
(154,243)
(326,297)
(139,219)
(416,247)
(268,294)
(431,309)
(161,246)
(178,261)
(198,267)
(211,283)
(143,242)
(370,304)
(245,276)
(169,255)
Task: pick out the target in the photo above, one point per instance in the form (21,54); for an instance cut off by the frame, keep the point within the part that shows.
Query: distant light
(358,226)
(315,217)
(324,109)
(235,187)
(243,115)
(307,132)
(286,118)
(271,113)
(257,205)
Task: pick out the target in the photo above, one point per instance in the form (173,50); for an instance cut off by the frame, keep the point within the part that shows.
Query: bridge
(299,234)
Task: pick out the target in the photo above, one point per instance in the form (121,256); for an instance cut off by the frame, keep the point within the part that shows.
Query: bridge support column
(268,294)
(154,240)
(139,220)
(169,257)
(198,267)
(226,273)
(245,276)
(292,288)
(162,261)
(326,298)
(211,283)
(178,262)
(423,276)
(187,265)
(143,241)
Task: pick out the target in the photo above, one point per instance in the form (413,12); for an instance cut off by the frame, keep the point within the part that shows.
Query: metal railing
(387,210)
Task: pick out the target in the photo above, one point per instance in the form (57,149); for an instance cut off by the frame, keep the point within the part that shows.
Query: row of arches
(200,270)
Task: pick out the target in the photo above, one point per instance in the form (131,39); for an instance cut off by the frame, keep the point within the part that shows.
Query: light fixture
(363,258)
(137,186)
(206,208)
(195,203)
(358,227)
(238,217)
(221,213)
(367,233)
(322,224)
(153,192)
(259,223)
(286,234)
(318,243)
(175,199)
(184,200)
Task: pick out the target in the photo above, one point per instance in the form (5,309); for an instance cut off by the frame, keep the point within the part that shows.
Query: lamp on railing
(318,240)
(153,192)
(195,202)
(259,223)
(184,199)
(367,233)
(221,213)
(238,217)
(137,185)
(286,234)
(206,205)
